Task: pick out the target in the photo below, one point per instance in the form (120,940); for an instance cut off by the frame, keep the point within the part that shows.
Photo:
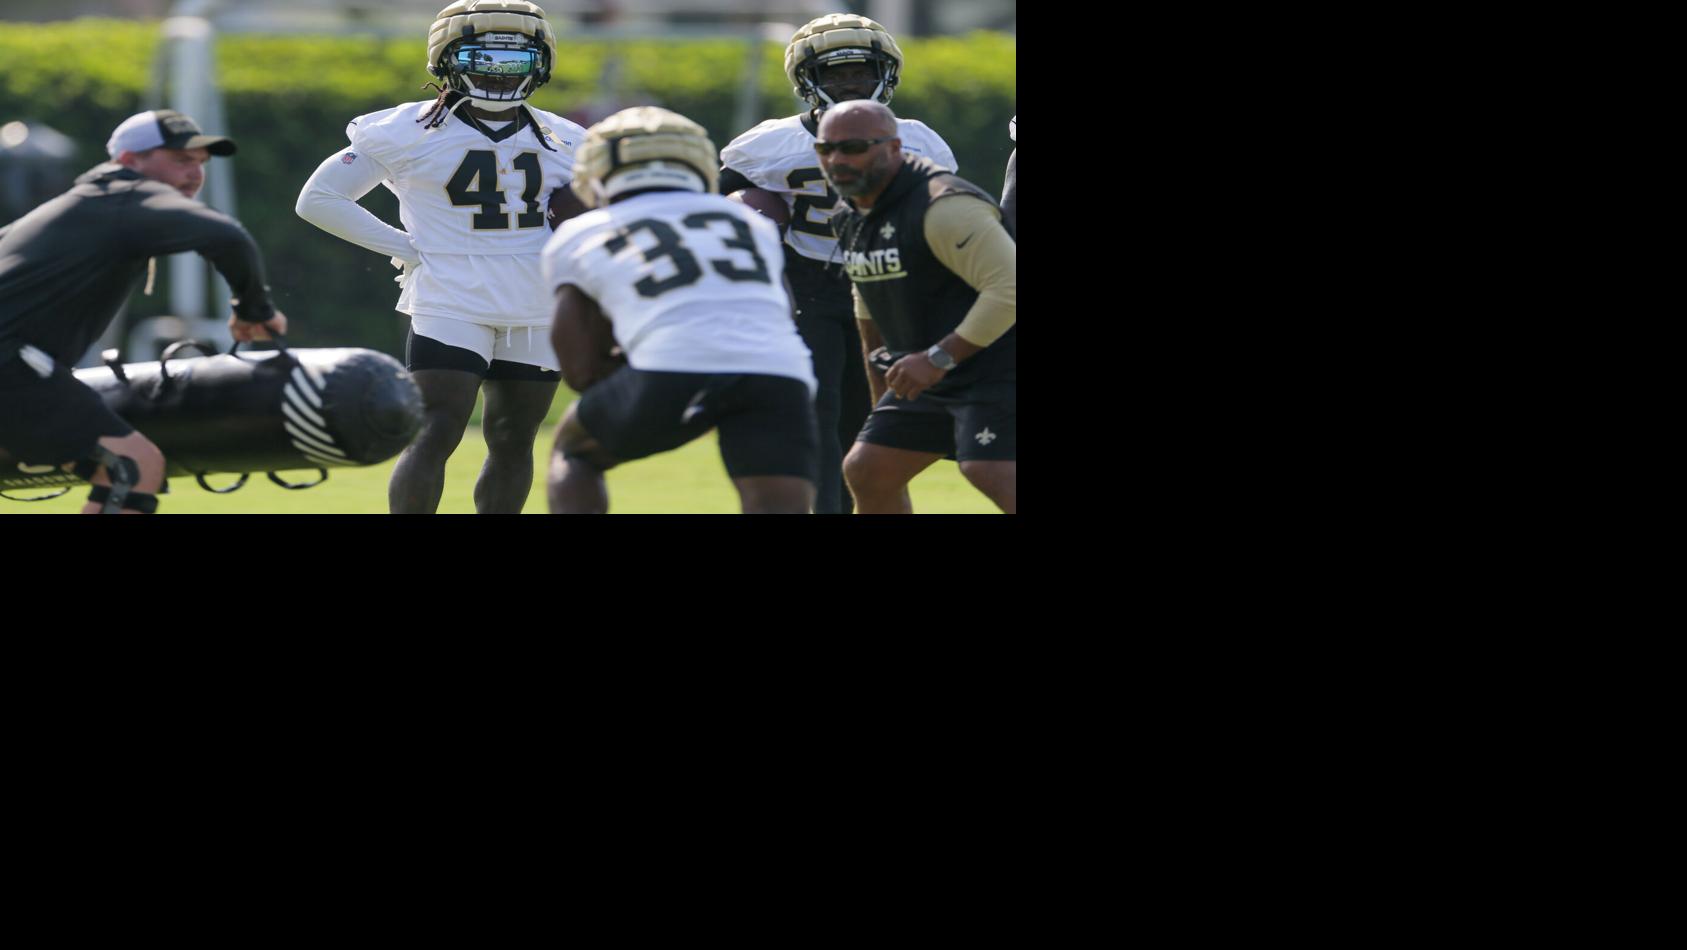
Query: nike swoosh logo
(693,408)
(964,243)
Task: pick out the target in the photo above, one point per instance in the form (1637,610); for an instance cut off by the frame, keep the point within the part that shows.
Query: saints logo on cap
(175,123)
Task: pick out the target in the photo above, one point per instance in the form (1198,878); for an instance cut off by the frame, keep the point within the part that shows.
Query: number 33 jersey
(472,195)
(692,283)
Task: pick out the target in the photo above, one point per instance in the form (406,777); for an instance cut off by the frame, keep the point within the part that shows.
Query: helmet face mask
(828,60)
(856,74)
(496,67)
(496,52)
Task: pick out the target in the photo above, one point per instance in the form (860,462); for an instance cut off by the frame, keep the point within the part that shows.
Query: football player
(475,171)
(836,58)
(691,285)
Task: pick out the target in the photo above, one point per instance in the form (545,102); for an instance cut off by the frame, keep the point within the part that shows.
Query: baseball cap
(164,128)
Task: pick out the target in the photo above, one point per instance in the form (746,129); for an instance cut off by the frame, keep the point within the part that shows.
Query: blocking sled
(257,411)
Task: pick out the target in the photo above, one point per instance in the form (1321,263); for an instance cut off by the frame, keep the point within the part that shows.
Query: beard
(852,184)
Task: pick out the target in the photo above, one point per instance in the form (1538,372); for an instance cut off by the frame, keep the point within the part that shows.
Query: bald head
(857,119)
(870,130)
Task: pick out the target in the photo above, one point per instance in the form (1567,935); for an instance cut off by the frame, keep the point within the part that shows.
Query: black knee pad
(124,473)
(113,502)
(522,372)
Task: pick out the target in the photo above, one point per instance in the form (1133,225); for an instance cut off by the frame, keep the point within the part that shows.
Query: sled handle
(295,487)
(164,380)
(279,339)
(37,497)
(222,491)
(113,359)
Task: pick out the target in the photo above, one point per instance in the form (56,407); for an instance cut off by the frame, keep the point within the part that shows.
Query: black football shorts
(978,423)
(52,419)
(766,423)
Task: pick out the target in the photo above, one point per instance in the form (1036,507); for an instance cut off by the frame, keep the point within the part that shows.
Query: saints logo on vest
(883,264)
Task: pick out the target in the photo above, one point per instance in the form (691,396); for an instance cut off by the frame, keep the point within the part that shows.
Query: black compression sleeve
(731,181)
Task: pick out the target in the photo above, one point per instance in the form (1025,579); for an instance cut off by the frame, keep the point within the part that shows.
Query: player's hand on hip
(913,374)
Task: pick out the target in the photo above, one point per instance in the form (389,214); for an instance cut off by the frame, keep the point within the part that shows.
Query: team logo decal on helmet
(644,147)
(492,50)
(836,39)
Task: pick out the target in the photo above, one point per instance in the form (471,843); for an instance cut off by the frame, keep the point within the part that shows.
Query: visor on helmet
(500,67)
(482,61)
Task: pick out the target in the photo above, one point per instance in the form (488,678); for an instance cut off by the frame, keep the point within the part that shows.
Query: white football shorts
(525,344)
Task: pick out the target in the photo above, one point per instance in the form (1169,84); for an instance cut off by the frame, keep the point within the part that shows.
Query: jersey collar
(522,119)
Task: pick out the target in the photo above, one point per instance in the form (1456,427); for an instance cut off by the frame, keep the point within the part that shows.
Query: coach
(934,275)
(67,267)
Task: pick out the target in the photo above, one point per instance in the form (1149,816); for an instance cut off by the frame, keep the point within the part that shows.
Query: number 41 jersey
(692,283)
(472,197)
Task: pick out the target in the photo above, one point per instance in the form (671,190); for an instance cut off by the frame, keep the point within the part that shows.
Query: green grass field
(688,480)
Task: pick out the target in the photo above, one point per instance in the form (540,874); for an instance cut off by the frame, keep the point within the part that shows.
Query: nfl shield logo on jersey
(348,158)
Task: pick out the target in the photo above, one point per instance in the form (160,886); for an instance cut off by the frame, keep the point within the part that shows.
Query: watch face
(940,358)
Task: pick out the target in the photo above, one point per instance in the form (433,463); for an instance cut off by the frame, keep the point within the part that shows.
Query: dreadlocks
(443,105)
(447,103)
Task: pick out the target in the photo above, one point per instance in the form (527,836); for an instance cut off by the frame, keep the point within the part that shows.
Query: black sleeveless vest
(916,301)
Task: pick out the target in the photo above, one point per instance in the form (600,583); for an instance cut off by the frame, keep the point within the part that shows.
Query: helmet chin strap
(495,105)
(488,105)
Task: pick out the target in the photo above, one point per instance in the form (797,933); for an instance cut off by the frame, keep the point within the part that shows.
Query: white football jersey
(692,283)
(779,155)
(472,197)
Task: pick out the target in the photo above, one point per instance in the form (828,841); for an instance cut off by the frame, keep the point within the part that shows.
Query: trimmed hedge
(288,100)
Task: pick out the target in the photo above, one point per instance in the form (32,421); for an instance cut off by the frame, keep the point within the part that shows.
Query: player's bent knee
(864,474)
(151,462)
(148,458)
(130,478)
(855,464)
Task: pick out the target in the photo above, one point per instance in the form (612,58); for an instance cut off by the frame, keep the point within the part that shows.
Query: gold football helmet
(494,51)
(644,147)
(836,39)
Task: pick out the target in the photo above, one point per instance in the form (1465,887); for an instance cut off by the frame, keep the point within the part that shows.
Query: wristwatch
(940,358)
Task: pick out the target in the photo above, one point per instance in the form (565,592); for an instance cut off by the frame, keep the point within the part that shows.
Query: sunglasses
(850,146)
(480,61)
